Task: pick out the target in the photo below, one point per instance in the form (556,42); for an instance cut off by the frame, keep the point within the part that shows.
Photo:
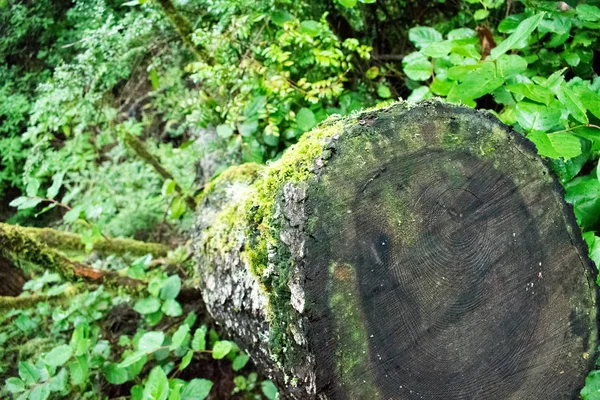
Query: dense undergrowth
(206,84)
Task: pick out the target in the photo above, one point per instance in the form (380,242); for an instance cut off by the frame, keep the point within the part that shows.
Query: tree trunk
(409,252)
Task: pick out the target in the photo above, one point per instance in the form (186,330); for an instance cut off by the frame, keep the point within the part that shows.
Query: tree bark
(408,252)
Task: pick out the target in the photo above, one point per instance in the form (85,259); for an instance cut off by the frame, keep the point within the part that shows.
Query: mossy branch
(67,241)
(140,149)
(8,302)
(184,30)
(17,244)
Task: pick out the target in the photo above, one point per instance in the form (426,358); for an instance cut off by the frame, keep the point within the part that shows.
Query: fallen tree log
(408,252)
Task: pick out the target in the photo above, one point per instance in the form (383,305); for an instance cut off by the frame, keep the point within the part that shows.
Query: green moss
(352,342)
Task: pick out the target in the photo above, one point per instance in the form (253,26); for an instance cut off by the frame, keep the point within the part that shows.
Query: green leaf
(178,207)
(240,361)
(147,305)
(199,340)
(575,106)
(420,93)
(417,67)
(14,385)
(590,99)
(157,385)
(305,119)
(584,194)
(588,12)
(535,117)
(154,79)
(555,145)
(509,65)
(384,92)
(40,392)
(348,3)
(58,356)
(170,288)
(532,91)
(269,390)
(281,17)
(421,36)
(510,23)
(462,33)
(168,187)
(221,349)
(179,336)
(516,39)
(197,389)
(372,72)
(480,14)
(78,370)
(311,28)
(150,342)
(57,181)
(29,372)
(437,49)
(132,359)
(172,308)
(224,131)
(115,374)
(440,87)
(476,83)
(186,360)
(59,382)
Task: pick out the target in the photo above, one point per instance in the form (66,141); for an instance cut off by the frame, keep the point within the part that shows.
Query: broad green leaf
(240,361)
(438,49)
(481,14)
(588,12)
(14,385)
(150,342)
(555,145)
(575,106)
(178,207)
(440,87)
(269,390)
(58,356)
(132,359)
(172,308)
(58,383)
(224,131)
(593,243)
(57,181)
(40,392)
(515,40)
(532,91)
(199,340)
(372,72)
(384,92)
(462,33)
(421,36)
(584,194)
(536,117)
(348,3)
(305,119)
(417,67)
(196,389)
(476,83)
(115,374)
(147,305)
(310,27)
(590,100)
(221,349)
(171,287)
(281,17)
(78,370)
(168,187)
(467,51)
(420,93)
(186,360)
(510,23)
(509,65)
(157,385)
(179,336)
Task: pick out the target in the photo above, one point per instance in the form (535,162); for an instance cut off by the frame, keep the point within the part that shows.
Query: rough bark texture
(409,252)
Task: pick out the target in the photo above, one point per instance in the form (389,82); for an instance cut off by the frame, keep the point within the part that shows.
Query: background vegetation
(114,115)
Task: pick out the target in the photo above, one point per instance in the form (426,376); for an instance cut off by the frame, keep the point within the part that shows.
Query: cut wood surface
(408,252)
